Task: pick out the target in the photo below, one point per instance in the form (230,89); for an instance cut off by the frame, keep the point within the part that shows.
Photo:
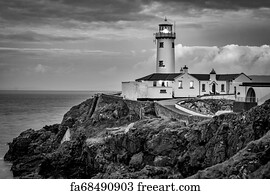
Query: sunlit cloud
(227,59)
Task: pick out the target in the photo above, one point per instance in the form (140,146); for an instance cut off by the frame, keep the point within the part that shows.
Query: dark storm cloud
(220,4)
(50,11)
(38,11)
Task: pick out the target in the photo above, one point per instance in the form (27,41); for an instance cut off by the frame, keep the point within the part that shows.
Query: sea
(21,110)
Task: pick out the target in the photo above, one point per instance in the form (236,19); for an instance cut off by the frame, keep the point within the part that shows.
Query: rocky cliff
(115,138)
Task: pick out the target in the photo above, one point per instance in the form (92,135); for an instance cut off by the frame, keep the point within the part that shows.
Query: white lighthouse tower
(165,48)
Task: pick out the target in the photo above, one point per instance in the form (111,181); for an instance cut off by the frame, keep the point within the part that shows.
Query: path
(170,105)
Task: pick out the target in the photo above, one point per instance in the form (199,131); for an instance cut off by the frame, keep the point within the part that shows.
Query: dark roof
(219,77)
(260,78)
(185,67)
(204,77)
(256,84)
(227,77)
(159,76)
(172,76)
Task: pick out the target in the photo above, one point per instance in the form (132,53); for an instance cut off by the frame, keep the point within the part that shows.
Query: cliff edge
(114,138)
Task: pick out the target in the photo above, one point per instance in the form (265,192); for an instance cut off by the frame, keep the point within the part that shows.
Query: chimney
(213,75)
(181,70)
(185,69)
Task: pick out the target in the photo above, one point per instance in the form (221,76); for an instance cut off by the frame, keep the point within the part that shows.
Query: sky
(97,44)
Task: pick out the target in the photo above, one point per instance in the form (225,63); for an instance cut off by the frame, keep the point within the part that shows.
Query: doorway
(214,88)
(251,95)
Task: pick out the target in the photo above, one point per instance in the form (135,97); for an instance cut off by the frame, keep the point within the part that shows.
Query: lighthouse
(165,48)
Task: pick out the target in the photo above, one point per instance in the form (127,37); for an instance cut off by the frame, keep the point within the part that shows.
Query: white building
(165,62)
(166,84)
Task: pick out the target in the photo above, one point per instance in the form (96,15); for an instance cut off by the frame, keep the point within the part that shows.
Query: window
(163,84)
(160,64)
(172,44)
(161,45)
(191,84)
(154,83)
(203,87)
(163,91)
(222,88)
(234,89)
(180,84)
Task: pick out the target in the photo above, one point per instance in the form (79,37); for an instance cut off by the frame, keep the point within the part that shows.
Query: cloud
(220,4)
(84,10)
(48,11)
(58,51)
(227,59)
(69,20)
(30,36)
(41,68)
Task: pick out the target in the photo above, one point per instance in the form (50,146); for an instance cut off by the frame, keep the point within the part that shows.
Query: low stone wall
(164,111)
(136,106)
(221,96)
(191,111)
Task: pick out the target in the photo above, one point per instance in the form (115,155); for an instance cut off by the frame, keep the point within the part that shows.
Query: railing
(165,35)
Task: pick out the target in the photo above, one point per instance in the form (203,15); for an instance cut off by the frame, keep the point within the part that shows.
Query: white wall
(240,91)
(219,87)
(133,90)
(165,54)
(186,91)
(159,83)
(154,92)
(207,91)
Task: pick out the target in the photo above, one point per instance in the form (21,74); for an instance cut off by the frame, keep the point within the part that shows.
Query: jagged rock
(251,162)
(163,161)
(66,162)
(136,161)
(226,146)
(261,173)
(208,106)
(27,151)
(31,142)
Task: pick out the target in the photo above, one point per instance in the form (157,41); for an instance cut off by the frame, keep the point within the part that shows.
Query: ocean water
(21,110)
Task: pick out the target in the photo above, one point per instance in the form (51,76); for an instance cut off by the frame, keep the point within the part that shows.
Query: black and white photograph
(134,90)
